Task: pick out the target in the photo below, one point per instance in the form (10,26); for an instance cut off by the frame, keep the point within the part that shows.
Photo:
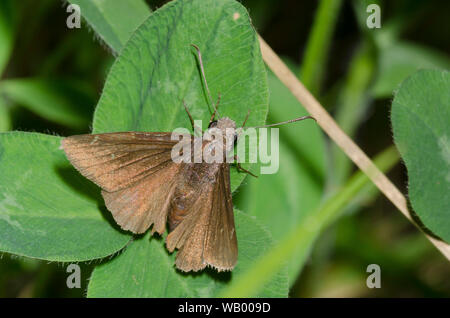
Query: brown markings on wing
(145,203)
(115,161)
(141,185)
(221,250)
(135,171)
(206,235)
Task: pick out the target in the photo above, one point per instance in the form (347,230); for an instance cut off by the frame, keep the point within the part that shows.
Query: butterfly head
(223,123)
(227,127)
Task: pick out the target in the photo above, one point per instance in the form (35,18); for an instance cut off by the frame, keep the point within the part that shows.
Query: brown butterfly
(143,187)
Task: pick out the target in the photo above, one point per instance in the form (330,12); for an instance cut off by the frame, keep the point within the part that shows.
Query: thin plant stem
(343,141)
(317,47)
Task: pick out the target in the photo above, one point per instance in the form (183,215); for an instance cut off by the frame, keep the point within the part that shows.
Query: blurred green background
(52,77)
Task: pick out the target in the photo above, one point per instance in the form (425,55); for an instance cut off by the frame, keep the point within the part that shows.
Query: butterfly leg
(189,114)
(246,117)
(239,167)
(215,110)
(194,127)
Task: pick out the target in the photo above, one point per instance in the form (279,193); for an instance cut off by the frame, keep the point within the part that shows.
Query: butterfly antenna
(202,69)
(287,122)
(240,130)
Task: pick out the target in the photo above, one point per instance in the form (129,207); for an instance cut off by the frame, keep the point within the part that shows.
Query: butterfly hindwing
(221,249)
(206,236)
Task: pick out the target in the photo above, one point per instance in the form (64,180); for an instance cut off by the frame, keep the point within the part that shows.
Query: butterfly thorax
(218,140)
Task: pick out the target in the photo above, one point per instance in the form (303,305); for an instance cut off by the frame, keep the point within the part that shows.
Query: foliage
(49,212)
(421,127)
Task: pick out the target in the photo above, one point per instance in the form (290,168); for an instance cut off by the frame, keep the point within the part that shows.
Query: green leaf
(113,20)
(420,120)
(61,101)
(282,200)
(145,269)
(47,209)
(157,70)
(401,59)
(305,233)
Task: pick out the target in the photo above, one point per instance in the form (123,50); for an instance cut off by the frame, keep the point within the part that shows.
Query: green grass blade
(315,58)
(62,101)
(7,30)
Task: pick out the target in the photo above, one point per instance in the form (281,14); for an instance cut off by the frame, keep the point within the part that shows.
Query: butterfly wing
(139,179)
(116,160)
(135,171)
(146,202)
(221,249)
(206,236)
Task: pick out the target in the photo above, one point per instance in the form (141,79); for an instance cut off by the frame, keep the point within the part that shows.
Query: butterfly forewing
(144,203)
(134,170)
(115,161)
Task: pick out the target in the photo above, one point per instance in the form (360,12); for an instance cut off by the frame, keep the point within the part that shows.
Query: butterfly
(143,188)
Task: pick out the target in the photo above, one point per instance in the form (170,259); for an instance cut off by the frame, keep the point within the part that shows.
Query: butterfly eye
(212,124)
